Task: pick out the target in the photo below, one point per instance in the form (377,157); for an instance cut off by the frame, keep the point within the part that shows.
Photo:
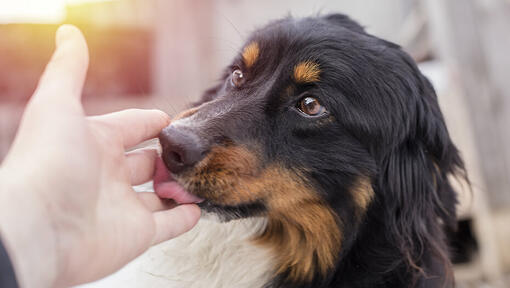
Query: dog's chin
(225,213)
(222,212)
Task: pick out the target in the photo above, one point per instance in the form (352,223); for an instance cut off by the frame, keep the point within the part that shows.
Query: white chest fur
(211,255)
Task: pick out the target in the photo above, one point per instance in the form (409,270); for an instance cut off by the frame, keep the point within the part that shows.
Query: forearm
(26,235)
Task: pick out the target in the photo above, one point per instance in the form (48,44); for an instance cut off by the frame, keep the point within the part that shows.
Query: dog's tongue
(166,187)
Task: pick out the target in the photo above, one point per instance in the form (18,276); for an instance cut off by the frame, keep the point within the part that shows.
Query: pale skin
(68,213)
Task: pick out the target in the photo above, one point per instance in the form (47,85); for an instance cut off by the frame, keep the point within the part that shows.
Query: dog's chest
(213,254)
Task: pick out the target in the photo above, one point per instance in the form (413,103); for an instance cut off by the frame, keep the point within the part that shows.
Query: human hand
(68,213)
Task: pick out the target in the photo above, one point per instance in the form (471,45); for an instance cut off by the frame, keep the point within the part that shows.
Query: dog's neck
(374,260)
(212,254)
(216,254)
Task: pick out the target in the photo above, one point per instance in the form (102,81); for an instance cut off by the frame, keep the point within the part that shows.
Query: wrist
(26,233)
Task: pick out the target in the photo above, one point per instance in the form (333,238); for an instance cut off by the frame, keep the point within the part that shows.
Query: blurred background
(163,53)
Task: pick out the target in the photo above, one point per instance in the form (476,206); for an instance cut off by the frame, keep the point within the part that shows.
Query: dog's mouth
(224,183)
(167,187)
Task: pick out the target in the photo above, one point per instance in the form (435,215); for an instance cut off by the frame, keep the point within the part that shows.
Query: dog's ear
(344,21)
(415,188)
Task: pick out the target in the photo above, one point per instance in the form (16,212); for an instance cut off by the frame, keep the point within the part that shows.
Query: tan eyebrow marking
(251,54)
(306,72)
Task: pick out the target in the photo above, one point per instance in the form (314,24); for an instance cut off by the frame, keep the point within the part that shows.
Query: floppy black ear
(344,21)
(416,190)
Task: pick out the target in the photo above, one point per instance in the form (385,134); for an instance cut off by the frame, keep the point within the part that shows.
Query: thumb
(174,222)
(65,74)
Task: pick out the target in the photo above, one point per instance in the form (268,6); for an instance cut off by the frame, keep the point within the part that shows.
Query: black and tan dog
(335,141)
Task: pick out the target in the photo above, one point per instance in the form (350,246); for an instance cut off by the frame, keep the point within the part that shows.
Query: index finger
(134,125)
(65,74)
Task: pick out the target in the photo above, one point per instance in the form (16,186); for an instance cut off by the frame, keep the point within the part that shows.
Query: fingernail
(64,33)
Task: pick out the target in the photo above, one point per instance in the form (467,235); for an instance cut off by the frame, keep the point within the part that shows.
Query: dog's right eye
(237,78)
(311,106)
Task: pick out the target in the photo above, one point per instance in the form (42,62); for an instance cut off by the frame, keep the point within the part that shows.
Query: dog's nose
(181,148)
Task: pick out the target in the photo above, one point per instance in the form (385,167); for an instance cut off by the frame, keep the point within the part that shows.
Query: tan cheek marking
(228,176)
(307,72)
(363,194)
(302,230)
(251,54)
(185,114)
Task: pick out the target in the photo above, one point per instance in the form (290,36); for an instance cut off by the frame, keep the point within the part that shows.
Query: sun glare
(36,11)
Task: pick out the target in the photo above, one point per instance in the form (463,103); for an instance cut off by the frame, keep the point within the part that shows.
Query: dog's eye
(311,106)
(237,78)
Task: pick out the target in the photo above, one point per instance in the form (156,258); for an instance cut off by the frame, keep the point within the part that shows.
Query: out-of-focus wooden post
(472,38)
(183,51)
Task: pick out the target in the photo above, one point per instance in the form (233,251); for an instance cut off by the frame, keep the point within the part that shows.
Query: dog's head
(329,133)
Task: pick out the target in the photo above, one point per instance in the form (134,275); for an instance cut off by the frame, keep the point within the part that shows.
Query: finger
(65,74)
(174,222)
(154,203)
(135,125)
(141,165)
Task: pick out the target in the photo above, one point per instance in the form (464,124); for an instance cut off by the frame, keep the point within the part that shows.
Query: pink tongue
(166,187)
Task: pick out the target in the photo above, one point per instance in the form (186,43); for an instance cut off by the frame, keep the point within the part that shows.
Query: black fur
(383,123)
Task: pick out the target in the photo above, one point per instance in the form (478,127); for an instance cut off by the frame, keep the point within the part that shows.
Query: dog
(324,157)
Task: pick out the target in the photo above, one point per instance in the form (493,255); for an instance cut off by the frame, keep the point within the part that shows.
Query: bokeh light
(36,11)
